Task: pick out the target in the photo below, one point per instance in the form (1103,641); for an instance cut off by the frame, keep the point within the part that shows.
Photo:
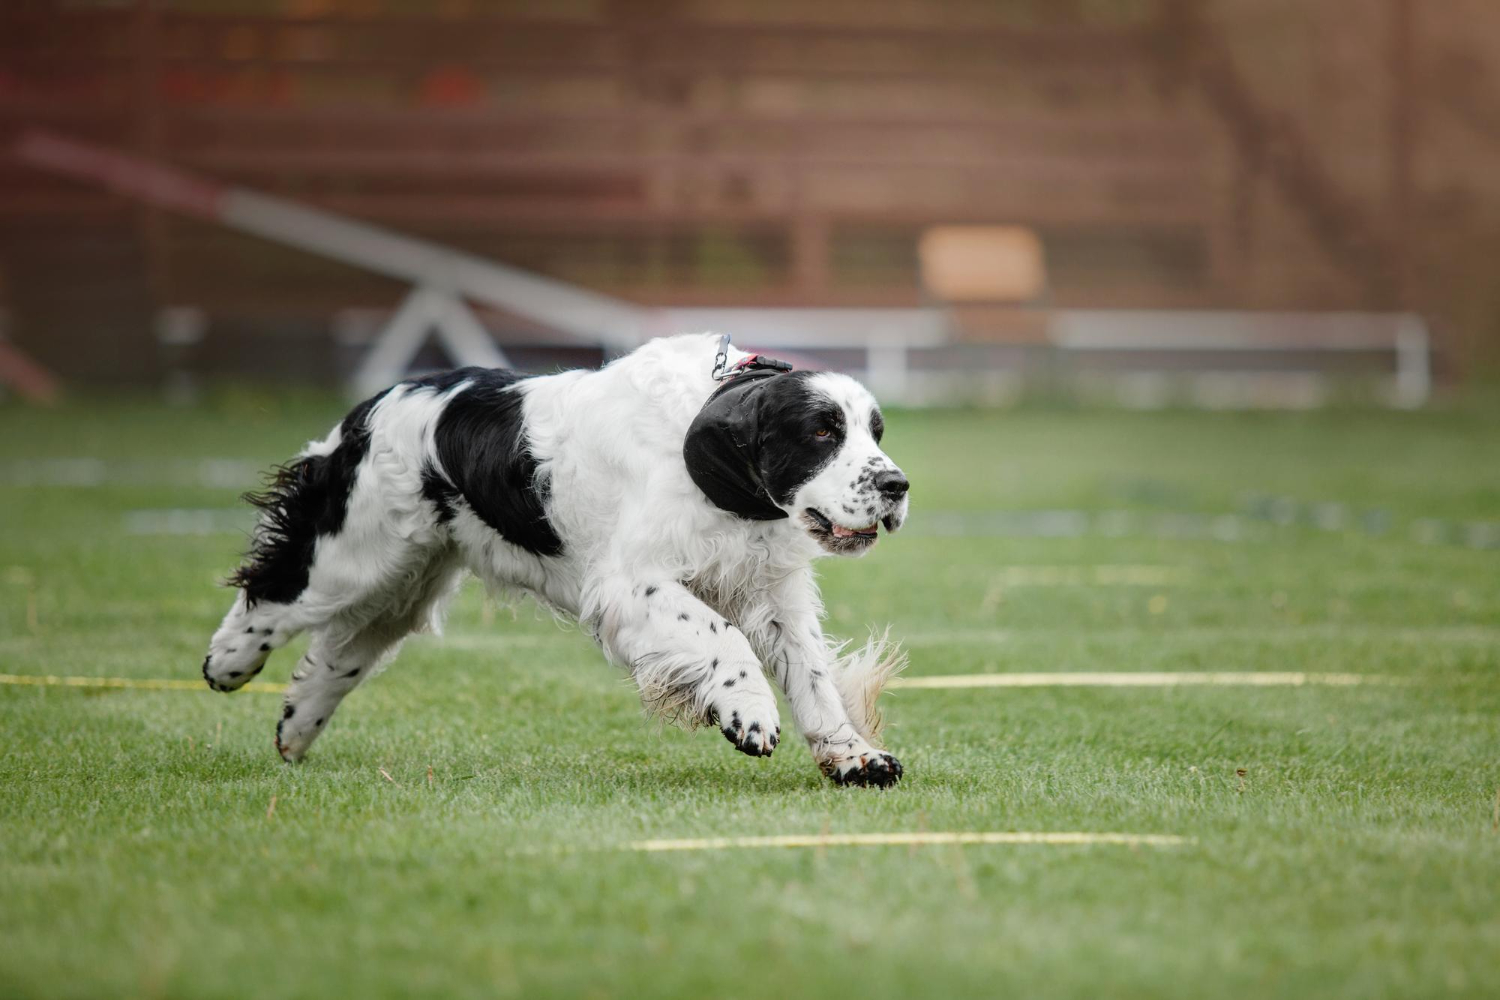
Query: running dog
(671,502)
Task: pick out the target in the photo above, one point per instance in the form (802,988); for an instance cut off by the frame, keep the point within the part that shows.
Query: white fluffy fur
(683,595)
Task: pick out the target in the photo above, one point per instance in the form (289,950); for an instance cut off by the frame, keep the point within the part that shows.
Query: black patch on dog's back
(302,500)
(481,444)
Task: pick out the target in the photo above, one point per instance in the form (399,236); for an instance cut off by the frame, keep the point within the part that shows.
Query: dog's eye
(822,433)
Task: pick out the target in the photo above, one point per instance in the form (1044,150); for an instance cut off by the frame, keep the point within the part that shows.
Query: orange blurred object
(982,263)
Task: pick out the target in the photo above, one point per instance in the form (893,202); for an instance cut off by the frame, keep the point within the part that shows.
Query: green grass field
(459,829)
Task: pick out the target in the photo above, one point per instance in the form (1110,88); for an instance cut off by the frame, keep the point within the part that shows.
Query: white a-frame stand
(442,278)
(426,311)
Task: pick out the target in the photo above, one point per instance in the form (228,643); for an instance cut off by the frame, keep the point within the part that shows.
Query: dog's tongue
(840,531)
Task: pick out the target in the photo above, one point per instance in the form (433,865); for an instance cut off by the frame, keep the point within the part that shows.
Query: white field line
(1107,575)
(212,473)
(1148,679)
(183,521)
(910,839)
(1265,518)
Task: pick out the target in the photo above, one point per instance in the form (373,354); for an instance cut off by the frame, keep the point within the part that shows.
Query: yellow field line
(908,839)
(1068,679)
(1149,679)
(128,683)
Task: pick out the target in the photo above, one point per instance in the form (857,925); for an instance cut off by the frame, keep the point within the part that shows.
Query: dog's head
(804,445)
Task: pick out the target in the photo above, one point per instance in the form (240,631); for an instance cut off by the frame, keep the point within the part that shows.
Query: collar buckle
(755,362)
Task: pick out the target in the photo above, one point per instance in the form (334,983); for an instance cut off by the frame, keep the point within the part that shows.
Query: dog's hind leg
(245,640)
(334,664)
(350,648)
(303,507)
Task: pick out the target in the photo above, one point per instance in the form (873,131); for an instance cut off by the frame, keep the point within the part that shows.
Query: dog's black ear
(723,448)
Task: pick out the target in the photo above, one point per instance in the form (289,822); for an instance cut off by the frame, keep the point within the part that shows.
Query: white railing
(1188,332)
(446,281)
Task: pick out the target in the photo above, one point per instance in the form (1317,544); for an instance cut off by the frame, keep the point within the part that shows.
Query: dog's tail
(861,674)
(282,545)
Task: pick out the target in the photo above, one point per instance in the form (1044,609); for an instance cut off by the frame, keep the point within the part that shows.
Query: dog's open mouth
(837,537)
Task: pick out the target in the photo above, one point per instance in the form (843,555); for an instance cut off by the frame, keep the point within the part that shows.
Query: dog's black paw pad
(752,739)
(873,770)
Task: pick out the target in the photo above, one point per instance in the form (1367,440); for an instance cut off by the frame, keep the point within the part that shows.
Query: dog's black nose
(892,482)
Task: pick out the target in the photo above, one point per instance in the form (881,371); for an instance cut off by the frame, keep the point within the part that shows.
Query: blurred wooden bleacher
(684,153)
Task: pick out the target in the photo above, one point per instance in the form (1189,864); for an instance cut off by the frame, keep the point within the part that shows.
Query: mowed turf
(459,828)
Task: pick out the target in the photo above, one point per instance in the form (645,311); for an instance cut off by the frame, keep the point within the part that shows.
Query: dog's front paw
(755,738)
(754,729)
(877,769)
(870,769)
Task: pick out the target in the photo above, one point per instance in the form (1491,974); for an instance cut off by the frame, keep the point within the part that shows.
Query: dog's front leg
(834,710)
(689,662)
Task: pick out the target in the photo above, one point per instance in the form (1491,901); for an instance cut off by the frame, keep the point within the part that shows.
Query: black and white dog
(675,515)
